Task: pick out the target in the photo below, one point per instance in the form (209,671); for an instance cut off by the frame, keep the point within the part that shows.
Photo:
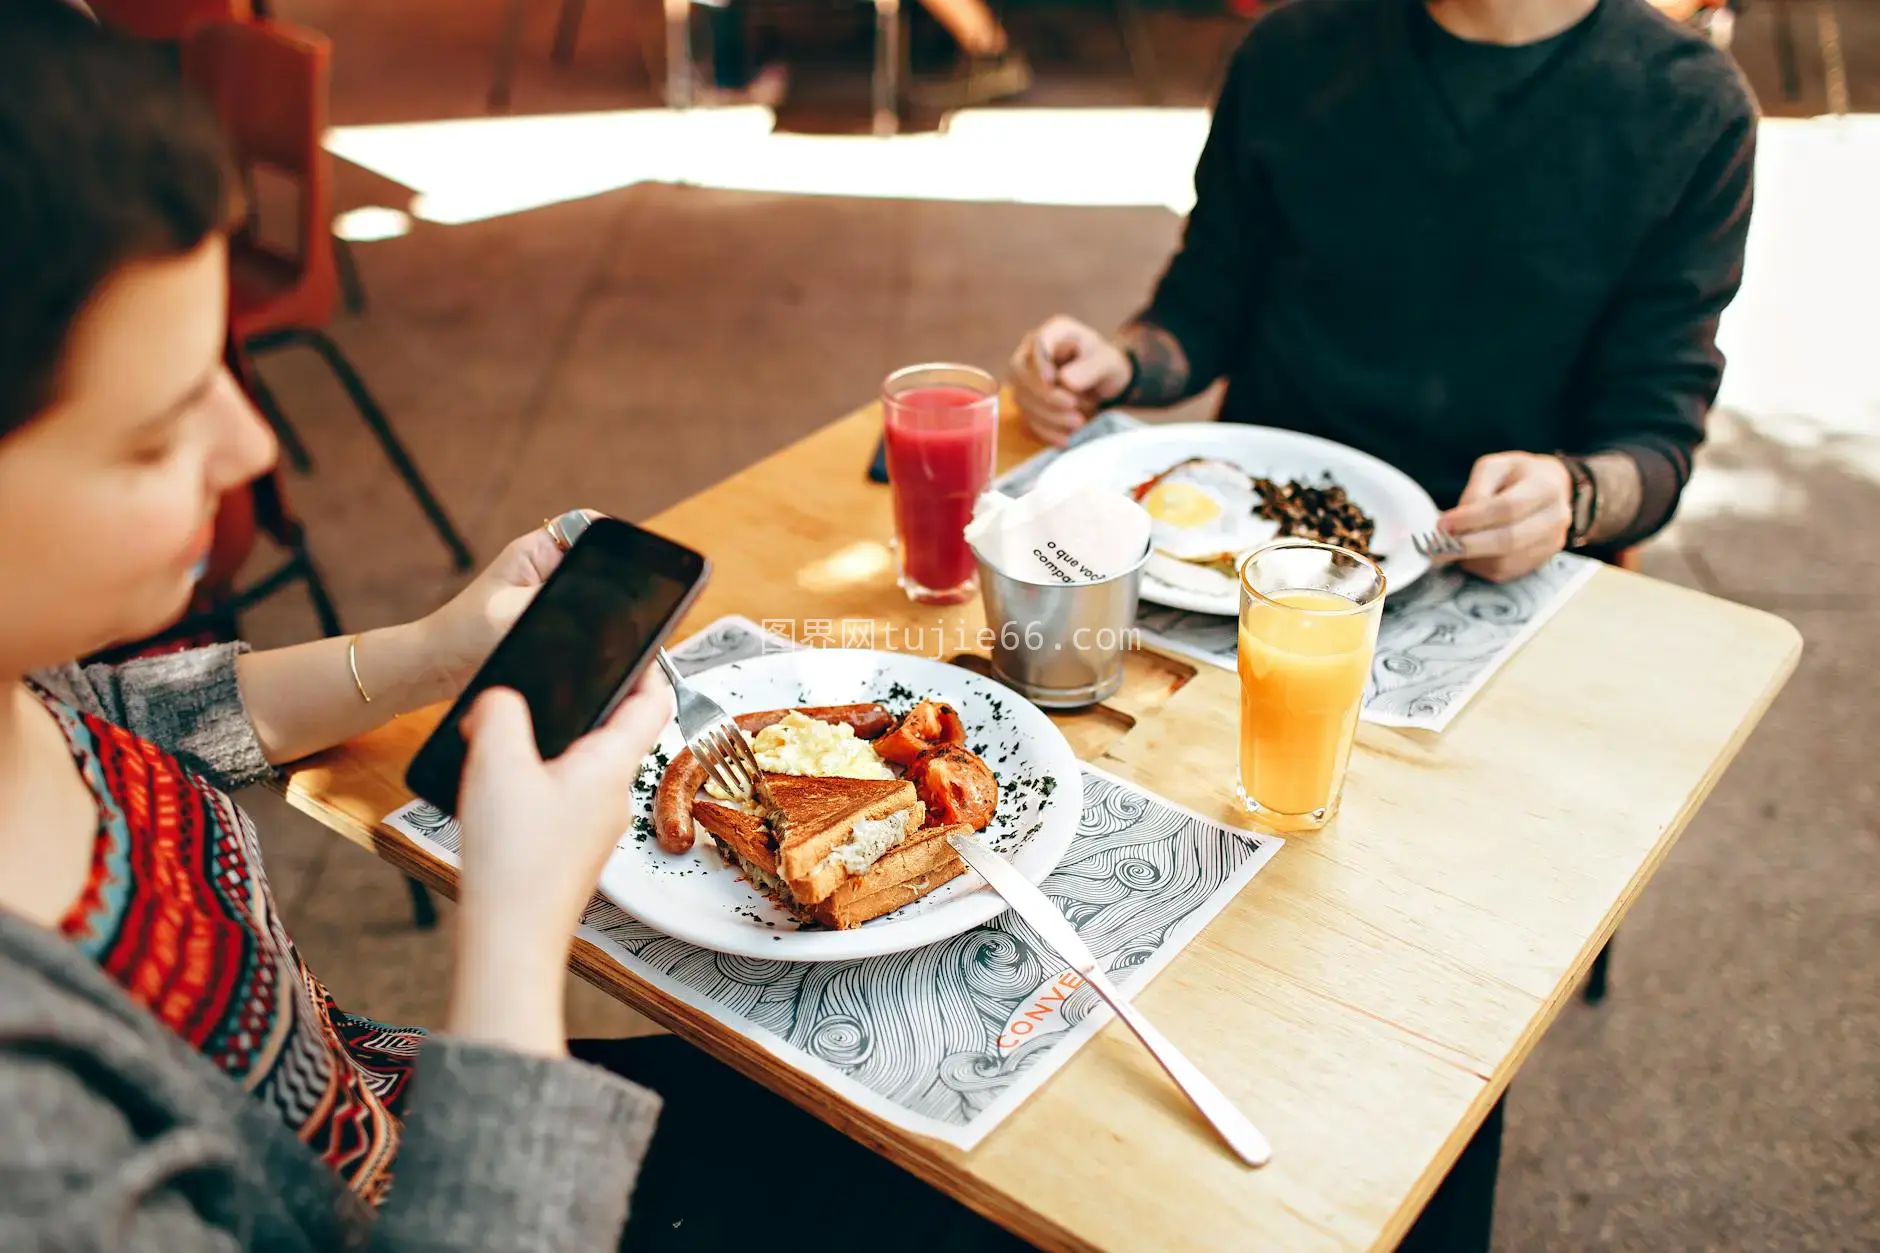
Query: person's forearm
(1631,500)
(510,986)
(303,699)
(1162,373)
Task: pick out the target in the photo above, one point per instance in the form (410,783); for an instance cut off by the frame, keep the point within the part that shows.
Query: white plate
(696,898)
(1395,502)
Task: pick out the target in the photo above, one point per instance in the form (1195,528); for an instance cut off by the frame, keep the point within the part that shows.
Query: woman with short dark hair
(172,1076)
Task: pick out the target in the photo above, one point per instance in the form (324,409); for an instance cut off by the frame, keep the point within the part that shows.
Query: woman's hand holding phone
(461,632)
(307,697)
(565,638)
(536,835)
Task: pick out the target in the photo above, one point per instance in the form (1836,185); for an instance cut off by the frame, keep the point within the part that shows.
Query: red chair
(165,22)
(268,82)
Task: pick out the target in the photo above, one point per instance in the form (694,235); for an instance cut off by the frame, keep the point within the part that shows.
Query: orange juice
(1305,657)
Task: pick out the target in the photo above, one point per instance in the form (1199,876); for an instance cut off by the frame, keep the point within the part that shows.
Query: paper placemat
(1439,644)
(947,1040)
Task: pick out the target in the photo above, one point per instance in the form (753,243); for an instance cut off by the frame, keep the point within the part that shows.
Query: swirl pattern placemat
(1440,641)
(945,1041)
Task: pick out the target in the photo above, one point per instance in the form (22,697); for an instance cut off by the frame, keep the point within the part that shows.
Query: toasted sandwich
(830,830)
(916,867)
(835,851)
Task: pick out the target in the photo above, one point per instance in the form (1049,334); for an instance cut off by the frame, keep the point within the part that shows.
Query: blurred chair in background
(989,67)
(268,82)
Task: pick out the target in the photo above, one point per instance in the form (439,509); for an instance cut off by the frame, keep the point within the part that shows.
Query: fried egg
(1204,511)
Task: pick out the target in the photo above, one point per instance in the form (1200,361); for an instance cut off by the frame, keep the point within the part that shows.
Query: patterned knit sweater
(177,908)
(120,1127)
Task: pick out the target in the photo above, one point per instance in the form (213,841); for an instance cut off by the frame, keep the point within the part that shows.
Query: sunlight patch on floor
(467,170)
(371,224)
(1741,491)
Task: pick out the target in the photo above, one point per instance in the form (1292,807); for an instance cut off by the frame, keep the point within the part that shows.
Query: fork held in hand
(1437,544)
(713,737)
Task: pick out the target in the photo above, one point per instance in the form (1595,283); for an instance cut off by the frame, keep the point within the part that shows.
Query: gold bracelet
(352,662)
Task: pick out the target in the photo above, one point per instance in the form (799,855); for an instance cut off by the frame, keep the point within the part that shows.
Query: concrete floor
(561,309)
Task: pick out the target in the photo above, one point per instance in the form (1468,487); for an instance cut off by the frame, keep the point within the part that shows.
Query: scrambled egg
(800,744)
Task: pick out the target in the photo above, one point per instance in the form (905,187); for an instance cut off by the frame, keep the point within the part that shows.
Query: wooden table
(1370,995)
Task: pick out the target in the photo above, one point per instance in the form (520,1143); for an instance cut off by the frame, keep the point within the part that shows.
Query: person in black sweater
(1485,240)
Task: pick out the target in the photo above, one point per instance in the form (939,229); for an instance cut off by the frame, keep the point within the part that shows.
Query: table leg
(1785,53)
(887,66)
(567,27)
(352,290)
(1140,50)
(1833,63)
(1460,1217)
(1596,976)
(679,54)
(508,44)
(423,909)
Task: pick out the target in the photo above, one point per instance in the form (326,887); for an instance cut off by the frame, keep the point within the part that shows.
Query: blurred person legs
(737,76)
(716,1125)
(987,67)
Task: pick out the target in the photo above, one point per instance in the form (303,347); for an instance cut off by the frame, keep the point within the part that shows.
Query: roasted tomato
(955,785)
(929,724)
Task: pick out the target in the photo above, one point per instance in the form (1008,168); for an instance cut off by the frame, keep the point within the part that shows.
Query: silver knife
(1052,927)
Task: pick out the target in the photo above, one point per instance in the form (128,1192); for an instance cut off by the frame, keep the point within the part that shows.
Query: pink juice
(940,457)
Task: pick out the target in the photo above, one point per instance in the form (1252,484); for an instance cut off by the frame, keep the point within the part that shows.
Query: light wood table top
(1369,996)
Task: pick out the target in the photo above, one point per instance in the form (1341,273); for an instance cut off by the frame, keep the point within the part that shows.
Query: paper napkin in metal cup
(1066,534)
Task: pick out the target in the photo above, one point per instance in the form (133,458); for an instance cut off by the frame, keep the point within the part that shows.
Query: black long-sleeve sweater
(1359,267)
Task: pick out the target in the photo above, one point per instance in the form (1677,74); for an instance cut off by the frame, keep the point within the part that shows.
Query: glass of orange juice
(1308,626)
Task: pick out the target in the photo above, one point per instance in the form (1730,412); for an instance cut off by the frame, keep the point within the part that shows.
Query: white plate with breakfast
(871,759)
(1215,491)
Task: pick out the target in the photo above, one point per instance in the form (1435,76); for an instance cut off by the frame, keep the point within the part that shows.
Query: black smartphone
(577,648)
(878,468)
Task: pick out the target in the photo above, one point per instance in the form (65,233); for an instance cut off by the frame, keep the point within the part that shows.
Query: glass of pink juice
(941,424)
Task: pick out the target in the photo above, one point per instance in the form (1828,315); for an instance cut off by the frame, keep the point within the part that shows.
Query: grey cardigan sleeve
(502,1151)
(501,1154)
(186,703)
(78,1176)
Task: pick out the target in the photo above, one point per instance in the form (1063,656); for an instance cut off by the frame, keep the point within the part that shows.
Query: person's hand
(1513,515)
(461,633)
(535,837)
(1061,374)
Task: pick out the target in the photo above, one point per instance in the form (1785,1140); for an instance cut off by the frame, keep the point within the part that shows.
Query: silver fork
(1437,544)
(713,737)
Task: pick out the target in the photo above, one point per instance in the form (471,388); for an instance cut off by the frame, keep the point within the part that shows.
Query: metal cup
(1060,645)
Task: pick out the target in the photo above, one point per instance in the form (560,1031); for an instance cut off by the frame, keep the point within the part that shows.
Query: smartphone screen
(582,641)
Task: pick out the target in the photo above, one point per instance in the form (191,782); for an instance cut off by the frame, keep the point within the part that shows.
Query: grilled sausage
(867,721)
(672,803)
